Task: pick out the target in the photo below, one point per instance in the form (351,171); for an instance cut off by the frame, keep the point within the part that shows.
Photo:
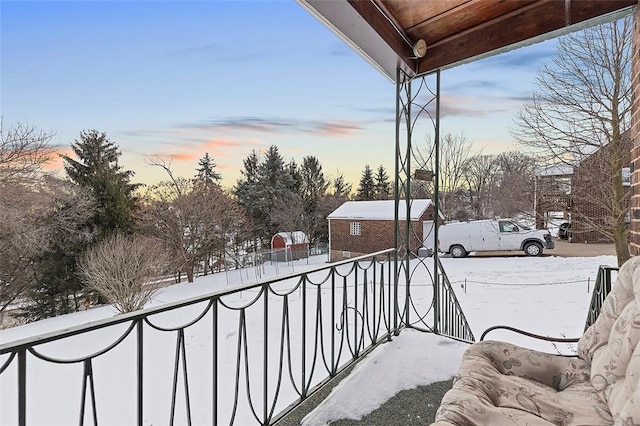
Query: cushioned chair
(504,384)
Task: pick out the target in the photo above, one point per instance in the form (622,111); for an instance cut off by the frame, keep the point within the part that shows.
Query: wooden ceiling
(455,31)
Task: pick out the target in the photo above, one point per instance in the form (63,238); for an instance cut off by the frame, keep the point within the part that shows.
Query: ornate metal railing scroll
(417,172)
(242,356)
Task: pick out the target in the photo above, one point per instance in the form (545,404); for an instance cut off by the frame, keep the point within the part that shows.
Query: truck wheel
(533,249)
(457,251)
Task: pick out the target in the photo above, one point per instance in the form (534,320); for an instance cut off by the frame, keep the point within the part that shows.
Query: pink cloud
(337,129)
(216,147)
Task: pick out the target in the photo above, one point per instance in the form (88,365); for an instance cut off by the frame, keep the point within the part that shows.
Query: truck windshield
(524,227)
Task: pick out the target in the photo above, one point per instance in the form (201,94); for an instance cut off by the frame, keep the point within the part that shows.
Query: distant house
(552,193)
(591,194)
(362,227)
(286,246)
(582,194)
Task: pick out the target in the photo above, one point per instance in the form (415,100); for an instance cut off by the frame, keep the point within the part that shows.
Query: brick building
(582,194)
(591,193)
(552,193)
(362,227)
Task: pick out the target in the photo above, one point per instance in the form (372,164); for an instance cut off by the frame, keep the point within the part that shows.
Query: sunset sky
(177,79)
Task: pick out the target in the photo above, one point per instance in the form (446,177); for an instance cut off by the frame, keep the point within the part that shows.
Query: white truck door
(427,234)
(490,240)
(509,234)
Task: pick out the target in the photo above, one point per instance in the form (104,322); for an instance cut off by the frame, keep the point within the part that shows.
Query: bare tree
(23,150)
(192,220)
(176,217)
(481,176)
(514,192)
(455,154)
(45,216)
(121,268)
(37,211)
(582,106)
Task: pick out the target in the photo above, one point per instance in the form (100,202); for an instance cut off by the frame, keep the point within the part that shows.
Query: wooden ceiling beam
(383,26)
(583,10)
(464,16)
(523,24)
(409,15)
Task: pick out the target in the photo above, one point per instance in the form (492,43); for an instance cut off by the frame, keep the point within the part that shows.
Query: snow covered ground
(547,295)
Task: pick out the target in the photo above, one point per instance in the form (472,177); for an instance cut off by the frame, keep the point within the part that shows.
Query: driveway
(563,248)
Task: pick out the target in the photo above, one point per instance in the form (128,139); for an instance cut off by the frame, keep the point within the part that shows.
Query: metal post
(436,206)
(407,220)
(214,362)
(22,387)
(140,343)
(396,197)
(265,367)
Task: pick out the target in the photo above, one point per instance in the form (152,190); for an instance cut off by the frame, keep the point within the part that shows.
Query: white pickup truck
(461,238)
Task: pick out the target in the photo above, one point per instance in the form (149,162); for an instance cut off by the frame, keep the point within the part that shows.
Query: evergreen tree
(66,220)
(296,177)
(272,170)
(382,184)
(276,182)
(206,172)
(366,189)
(312,189)
(341,189)
(251,164)
(97,170)
(313,183)
(248,191)
(262,192)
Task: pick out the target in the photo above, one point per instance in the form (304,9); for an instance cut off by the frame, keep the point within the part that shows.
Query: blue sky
(176,79)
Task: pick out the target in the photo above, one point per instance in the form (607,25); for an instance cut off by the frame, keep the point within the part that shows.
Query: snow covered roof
(290,238)
(555,170)
(378,210)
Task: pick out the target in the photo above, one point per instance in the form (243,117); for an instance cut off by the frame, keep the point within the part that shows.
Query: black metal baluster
(265,372)
(214,361)
(88,373)
(22,387)
(140,368)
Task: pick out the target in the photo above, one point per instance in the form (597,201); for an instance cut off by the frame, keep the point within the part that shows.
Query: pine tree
(366,189)
(97,170)
(206,172)
(248,190)
(313,183)
(296,176)
(272,169)
(250,171)
(341,189)
(382,184)
(313,189)
(263,191)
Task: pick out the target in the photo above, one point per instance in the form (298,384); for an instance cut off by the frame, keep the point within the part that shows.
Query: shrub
(121,268)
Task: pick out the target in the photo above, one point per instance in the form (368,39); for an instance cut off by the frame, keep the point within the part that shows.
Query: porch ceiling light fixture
(420,48)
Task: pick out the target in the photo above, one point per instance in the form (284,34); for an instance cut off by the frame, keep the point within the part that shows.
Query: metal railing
(447,318)
(451,320)
(246,355)
(601,289)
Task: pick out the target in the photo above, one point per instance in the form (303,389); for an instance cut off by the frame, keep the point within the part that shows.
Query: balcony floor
(414,406)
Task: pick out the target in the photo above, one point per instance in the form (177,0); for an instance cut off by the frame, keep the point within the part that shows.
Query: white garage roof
(379,210)
(290,238)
